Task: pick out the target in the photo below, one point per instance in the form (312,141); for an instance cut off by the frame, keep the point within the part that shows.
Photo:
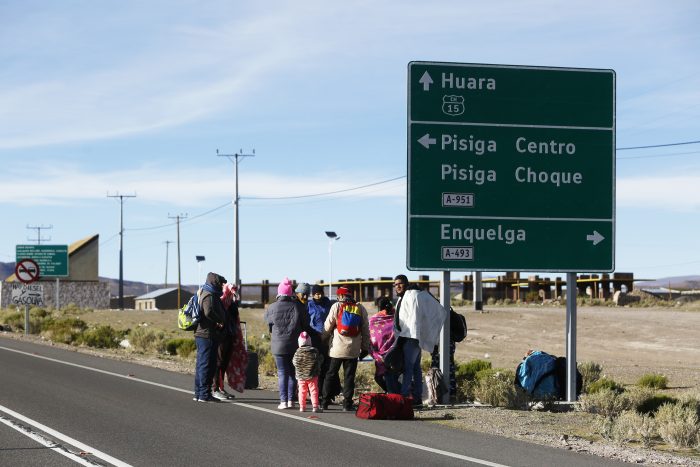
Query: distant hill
(677,282)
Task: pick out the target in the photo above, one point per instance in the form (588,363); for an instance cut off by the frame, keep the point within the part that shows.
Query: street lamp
(332,236)
(199,259)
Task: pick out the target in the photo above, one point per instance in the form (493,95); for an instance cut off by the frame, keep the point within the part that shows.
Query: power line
(657,145)
(326,193)
(651,156)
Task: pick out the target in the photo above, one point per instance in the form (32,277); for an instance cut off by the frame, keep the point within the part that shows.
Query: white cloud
(670,193)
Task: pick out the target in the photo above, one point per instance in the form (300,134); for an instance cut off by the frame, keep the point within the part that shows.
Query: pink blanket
(381,336)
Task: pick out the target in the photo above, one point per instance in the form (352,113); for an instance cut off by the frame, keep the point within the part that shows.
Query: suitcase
(378,406)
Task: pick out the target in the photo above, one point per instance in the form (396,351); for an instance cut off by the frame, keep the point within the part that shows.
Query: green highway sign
(51,259)
(510,168)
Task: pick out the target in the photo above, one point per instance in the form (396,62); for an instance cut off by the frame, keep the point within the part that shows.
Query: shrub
(590,373)
(469,370)
(690,400)
(653,380)
(101,337)
(495,387)
(605,383)
(144,339)
(632,426)
(605,402)
(678,425)
(15,320)
(267,364)
(182,346)
(65,330)
(650,405)
(364,379)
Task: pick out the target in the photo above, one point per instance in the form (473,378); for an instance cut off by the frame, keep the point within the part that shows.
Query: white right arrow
(426,141)
(426,81)
(596,238)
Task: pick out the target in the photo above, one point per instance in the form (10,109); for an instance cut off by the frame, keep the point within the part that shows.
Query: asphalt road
(101,412)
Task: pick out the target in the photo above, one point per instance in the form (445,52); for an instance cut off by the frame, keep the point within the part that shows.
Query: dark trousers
(223,357)
(325,364)
(204,367)
(349,369)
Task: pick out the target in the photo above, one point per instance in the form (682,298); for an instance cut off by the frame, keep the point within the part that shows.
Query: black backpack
(458,326)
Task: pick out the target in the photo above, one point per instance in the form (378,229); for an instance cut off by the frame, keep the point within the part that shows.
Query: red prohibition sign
(27,271)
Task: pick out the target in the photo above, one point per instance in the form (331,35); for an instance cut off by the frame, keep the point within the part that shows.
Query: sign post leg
(445,335)
(571,336)
(26,320)
(478,291)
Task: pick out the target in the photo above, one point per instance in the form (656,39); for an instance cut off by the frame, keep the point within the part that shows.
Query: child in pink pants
(307,363)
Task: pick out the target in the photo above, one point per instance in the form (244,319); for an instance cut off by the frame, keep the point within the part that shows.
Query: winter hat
(342,291)
(303,288)
(285,288)
(316,289)
(304,339)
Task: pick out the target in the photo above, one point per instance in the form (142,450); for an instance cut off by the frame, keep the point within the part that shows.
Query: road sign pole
(26,320)
(445,335)
(478,291)
(571,336)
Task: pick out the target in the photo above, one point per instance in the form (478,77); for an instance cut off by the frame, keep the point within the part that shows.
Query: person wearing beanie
(347,328)
(307,363)
(302,292)
(286,318)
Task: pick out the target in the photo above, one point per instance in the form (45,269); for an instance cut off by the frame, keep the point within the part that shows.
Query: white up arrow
(596,238)
(426,141)
(426,81)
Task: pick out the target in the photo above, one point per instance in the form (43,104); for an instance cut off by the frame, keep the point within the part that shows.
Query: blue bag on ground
(537,375)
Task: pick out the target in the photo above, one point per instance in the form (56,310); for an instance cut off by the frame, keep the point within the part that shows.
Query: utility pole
(121,244)
(167,243)
(236,199)
(179,278)
(39,228)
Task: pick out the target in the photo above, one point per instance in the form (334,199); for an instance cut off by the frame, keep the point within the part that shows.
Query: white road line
(274,412)
(58,435)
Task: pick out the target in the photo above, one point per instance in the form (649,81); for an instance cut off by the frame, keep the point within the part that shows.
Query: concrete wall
(86,294)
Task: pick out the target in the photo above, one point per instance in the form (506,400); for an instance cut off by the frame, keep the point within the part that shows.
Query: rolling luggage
(251,371)
(378,406)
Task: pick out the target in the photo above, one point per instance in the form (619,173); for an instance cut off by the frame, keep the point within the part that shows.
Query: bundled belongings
(377,406)
(543,376)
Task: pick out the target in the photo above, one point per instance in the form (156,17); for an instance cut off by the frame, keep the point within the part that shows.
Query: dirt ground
(626,342)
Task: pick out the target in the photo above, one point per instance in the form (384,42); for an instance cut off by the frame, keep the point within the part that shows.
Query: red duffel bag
(376,406)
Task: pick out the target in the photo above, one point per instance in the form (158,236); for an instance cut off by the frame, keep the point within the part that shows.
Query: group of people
(313,337)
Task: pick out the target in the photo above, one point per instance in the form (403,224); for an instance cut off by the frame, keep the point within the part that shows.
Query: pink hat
(285,287)
(304,339)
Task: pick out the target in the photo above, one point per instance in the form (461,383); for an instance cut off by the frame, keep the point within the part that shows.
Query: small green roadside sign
(510,168)
(51,259)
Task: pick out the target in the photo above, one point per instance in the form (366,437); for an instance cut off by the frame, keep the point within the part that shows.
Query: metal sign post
(571,336)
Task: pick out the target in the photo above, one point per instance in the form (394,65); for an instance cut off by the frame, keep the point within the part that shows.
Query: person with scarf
(229,335)
(287,318)
(381,339)
(207,335)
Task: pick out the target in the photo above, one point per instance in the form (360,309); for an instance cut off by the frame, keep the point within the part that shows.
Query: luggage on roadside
(543,376)
(379,406)
(251,380)
(436,386)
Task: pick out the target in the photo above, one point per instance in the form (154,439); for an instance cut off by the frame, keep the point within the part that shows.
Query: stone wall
(87,294)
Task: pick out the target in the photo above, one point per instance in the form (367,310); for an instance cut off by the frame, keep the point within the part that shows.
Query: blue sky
(136,97)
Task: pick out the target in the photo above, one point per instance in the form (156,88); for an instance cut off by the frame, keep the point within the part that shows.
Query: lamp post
(332,236)
(200,260)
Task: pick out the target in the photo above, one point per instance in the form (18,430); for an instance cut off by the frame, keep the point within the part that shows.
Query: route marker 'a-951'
(510,168)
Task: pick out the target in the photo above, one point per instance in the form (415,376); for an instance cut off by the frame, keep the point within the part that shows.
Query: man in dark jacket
(207,335)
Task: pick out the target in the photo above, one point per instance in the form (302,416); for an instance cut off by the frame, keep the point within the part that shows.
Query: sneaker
(302,409)
(317,410)
(228,395)
(290,404)
(283,405)
(220,395)
(208,399)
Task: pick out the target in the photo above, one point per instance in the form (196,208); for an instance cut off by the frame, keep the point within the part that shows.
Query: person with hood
(207,335)
(230,334)
(307,363)
(286,318)
(382,338)
(347,328)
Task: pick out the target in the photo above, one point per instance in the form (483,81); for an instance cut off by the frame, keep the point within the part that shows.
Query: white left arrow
(596,238)
(426,81)
(426,141)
